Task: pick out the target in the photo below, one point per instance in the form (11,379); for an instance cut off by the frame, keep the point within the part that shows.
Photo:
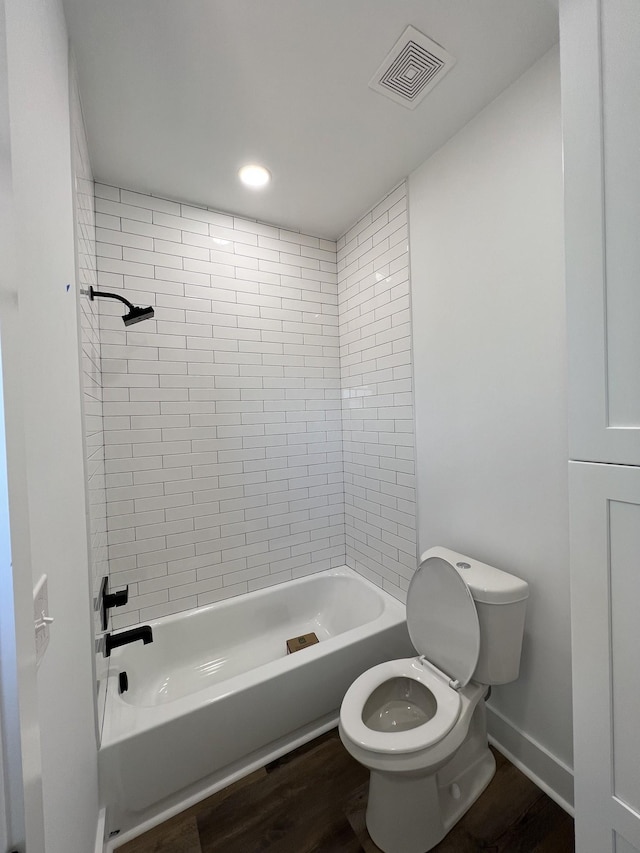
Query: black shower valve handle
(117,599)
(107,600)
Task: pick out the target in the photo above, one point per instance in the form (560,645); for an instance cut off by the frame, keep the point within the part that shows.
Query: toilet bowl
(419,723)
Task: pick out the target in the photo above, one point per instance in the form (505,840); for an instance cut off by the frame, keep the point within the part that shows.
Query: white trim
(4,804)
(102,818)
(7,655)
(545,769)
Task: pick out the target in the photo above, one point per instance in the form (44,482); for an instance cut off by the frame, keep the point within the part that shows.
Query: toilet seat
(421,737)
(442,618)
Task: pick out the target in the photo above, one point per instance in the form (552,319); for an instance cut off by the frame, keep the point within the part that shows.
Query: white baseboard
(102,815)
(548,772)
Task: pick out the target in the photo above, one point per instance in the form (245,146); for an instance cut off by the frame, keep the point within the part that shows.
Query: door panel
(624,581)
(605,590)
(601,136)
(620,29)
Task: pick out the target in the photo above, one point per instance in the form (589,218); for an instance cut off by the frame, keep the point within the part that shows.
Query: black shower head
(137,314)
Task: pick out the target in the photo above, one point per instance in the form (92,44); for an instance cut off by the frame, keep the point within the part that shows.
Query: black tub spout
(112,641)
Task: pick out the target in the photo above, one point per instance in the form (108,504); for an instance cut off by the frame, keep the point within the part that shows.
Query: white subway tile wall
(377,395)
(222,415)
(91,372)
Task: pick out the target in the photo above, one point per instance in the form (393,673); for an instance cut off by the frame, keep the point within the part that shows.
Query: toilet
(419,723)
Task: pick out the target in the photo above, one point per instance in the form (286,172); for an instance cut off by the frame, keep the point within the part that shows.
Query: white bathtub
(216,696)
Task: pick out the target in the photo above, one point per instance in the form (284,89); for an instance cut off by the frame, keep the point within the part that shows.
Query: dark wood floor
(313,801)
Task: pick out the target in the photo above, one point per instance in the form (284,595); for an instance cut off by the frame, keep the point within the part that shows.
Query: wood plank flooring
(314,799)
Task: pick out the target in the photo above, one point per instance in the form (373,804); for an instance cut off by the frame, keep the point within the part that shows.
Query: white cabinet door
(605,603)
(600,62)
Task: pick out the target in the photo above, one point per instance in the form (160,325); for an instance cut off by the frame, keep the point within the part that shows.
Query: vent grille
(412,68)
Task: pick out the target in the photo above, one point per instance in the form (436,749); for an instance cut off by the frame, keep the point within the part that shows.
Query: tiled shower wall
(91,374)
(377,404)
(222,414)
(90,341)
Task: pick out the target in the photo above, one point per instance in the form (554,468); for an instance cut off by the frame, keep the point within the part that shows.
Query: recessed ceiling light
(254,176)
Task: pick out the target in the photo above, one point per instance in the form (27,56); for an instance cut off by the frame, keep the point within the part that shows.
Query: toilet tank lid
(487,584)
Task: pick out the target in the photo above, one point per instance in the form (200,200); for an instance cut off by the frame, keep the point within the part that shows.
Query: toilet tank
(501,602)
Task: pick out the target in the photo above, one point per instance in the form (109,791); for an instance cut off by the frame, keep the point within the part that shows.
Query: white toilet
(419,723)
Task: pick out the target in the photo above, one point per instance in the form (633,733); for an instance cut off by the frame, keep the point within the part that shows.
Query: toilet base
(411,813)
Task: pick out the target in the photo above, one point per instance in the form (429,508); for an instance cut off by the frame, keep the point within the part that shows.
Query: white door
(605,596)
(12,805)
(600,62)
(21,806)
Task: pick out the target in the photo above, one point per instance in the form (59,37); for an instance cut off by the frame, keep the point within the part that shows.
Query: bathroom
(464,232)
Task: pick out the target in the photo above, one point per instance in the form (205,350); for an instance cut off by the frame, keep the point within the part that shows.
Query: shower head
(135,314)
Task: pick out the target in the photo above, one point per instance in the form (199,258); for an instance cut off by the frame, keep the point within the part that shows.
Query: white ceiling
(178,94)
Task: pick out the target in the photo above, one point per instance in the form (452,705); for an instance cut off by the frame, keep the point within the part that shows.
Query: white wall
(221,414)
(49,335)
(377,399)
(489,347)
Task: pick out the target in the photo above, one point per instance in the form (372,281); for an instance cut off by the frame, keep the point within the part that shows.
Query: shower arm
(93,293)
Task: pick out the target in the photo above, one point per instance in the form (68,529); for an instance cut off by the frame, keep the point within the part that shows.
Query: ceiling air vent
(412,68)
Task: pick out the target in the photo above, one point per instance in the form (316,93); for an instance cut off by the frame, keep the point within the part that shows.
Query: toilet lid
(442,619)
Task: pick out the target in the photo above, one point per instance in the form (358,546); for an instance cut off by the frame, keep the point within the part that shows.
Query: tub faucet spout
(112,641)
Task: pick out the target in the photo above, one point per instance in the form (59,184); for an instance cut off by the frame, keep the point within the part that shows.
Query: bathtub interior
(200,649)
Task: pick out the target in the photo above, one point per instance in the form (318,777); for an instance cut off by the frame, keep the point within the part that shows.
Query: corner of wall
(91,378)
(377,395)
(544,768)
